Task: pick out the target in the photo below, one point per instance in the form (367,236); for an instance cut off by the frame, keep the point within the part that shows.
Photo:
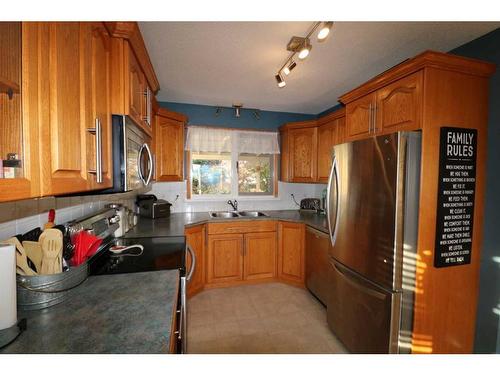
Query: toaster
(152,207)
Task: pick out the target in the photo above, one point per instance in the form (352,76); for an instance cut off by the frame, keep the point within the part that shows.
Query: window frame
(234,179)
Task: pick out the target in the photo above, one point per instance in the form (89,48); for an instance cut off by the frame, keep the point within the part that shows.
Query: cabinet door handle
(370,119)
(97,131)
(375,118)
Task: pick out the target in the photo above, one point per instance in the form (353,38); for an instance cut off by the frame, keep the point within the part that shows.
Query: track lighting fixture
(305,49)
(301,46)
(324,31)
(280,80)
(237,107)
(289,68)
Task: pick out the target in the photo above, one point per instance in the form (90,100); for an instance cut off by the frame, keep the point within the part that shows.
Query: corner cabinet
(169,145)
(291,252)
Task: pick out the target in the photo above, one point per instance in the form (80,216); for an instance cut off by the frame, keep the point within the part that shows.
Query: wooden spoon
(34,252)
(51,241)
(21,258)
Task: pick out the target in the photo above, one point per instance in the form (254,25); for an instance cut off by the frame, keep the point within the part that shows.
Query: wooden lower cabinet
(259,256)
(291,245)
(195,238)
(225,258)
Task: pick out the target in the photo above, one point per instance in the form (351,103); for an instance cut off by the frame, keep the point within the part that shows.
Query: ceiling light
(289,68)
(279,79)
(306,48)
(324,31)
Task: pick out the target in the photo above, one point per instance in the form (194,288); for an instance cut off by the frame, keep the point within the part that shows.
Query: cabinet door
(358,117)
(285,156)
(291,238)
(225,258)
(195,238)
(340,131)
(63,154)
(260,256)
(303,154)
(101,106)
(327,134)
(399,105)
(136,80)
(169,145)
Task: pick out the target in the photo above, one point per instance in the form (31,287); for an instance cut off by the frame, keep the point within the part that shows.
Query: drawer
(242,227)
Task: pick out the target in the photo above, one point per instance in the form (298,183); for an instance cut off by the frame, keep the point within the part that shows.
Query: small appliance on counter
(310,204)
(152,207)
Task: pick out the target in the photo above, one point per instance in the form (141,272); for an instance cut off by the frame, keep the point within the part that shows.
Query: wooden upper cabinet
(260,255)
(399,105)
(291,245)
(326,140)
(100,54)
(63,142)
(358,117)
(330,133)
(225,258)
(136,88)
(303,154)
(19,122)
(195,238)
(169,145)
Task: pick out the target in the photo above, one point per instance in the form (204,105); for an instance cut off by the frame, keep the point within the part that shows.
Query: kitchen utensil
(32,235)
(122,223)
(34,252)
(51,242)
(51,219)
(68,247)
(86,245)
(21,258)
(121,250)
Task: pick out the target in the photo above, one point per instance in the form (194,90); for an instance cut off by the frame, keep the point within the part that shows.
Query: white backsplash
(169,191)
(63,215)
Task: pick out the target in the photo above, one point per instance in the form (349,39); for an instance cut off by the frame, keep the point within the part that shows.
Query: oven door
(138,157)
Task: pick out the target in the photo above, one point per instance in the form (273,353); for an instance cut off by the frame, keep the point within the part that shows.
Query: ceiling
(220,63)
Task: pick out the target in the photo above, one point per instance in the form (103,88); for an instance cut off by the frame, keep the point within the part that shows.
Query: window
(210,173)
(228,163)
(255,174)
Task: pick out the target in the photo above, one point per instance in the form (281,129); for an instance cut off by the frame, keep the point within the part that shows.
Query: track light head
(281,82)
(324,31)
(289,68)
(305,49)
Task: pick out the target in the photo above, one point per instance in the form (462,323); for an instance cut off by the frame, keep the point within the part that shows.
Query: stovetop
(160,253)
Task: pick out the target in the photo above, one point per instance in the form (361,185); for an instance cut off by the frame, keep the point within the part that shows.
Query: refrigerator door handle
(333,174)
(357,284)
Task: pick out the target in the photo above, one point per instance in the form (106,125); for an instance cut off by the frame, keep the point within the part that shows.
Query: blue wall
(330,110)
(487,338)
(205,115)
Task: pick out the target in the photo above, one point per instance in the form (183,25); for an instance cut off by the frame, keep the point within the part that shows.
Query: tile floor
(258,319)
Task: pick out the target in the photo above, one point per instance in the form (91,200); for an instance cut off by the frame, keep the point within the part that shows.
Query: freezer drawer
(359,312)
(317,263)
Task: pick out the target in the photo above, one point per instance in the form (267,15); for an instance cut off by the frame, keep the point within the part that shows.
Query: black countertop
(175,223)
(126,313)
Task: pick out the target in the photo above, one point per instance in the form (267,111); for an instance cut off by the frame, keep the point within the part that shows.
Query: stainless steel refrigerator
(372,204)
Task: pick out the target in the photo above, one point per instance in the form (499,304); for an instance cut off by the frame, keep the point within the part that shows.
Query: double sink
(235,214)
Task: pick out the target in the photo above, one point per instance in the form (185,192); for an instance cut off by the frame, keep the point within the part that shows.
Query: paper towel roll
(8,302)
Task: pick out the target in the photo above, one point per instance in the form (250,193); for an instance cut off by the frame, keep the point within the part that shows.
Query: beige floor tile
(261,318)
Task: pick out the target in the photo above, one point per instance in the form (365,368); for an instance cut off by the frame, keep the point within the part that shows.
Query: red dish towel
(86,245)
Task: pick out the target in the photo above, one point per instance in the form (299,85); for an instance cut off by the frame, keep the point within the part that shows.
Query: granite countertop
(175,223)
(125,313)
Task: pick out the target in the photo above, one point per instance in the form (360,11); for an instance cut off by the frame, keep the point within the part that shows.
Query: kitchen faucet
(233,204)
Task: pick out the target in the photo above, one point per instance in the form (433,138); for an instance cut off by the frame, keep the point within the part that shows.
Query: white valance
(202,139)
(254,142)
(205,139)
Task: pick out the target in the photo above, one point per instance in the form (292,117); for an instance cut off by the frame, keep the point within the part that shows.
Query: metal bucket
(41,291)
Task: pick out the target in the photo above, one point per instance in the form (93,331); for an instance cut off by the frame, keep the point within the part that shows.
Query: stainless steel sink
(251,213)
(224,214)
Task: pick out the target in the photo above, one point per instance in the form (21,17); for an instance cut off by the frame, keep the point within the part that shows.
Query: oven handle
(182,336)
(193,263)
